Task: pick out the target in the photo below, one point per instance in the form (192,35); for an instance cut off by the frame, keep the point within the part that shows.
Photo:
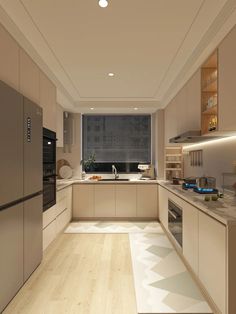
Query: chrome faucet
(114,171)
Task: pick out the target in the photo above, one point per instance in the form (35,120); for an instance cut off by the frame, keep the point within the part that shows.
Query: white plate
(65,172)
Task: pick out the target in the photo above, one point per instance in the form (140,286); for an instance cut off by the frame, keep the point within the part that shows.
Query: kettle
(206,182)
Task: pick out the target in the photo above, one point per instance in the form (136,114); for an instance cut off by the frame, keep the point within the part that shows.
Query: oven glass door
(49,192)
(49,150)
(175,221)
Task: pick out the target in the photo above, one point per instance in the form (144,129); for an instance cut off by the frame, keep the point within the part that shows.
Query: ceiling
(145,44)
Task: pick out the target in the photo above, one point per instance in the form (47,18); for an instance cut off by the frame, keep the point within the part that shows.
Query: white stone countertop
(61,184)
(223,210)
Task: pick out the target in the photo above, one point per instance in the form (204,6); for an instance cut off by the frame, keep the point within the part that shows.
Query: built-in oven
(175,221)
(49,169)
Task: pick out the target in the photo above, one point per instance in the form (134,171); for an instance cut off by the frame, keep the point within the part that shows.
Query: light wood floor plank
(81,274)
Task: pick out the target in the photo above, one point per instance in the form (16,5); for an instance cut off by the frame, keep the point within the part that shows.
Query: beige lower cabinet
(104,200)
(212,259)
(147,205)
(83,200)
(56,218)
(190,235)
(163,206)
(126,200)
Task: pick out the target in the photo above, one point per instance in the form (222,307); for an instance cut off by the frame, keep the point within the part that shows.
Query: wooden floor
(82,274)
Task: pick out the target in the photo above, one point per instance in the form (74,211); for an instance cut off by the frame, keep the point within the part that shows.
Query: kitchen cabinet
(126,202)
(163,206)
(104,200)
(48,102)
(193,103)
(227,86)
(29,77)
(190,235)
(56,218)
(9,61)
(147,205)
(183,113)
(60,126)
(170,121)
(212,259)
(83,200)
(49,234)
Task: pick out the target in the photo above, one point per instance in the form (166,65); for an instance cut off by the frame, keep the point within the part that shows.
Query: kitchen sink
(114,180)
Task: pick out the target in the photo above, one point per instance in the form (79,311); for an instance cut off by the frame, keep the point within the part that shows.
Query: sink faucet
(114,171)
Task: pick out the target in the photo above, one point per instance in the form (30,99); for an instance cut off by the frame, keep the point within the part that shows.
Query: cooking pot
(206,182)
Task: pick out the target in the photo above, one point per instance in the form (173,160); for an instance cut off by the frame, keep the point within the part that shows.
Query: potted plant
(87,164)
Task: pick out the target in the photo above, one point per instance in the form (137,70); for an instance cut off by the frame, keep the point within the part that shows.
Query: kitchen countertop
(223,210)
(61,184)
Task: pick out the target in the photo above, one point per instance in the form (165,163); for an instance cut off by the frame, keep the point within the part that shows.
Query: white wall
(217,158)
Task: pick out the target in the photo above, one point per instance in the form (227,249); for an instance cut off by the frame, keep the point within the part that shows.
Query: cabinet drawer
(61,206)
(49,234)
(49,215)
(62,220)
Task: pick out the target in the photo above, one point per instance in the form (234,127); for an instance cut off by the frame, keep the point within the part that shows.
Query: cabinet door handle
(172,214)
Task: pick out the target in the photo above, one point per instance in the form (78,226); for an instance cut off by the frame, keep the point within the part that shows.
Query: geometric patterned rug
(162,282)
(113,227)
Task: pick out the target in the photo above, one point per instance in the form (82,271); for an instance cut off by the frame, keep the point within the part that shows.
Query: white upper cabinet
(48,102)
(9,60)
(29,77)
(60,126)
(193,103)
(227,82)
(183,113)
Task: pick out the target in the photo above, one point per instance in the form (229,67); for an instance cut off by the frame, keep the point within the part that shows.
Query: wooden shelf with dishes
(173,162)
(209,94)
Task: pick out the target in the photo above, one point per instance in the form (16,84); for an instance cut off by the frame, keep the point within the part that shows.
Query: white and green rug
(162,282)
(113,227)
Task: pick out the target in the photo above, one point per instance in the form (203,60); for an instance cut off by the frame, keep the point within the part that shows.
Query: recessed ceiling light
(103,3)
(135,108)
(111,74)
(91,108)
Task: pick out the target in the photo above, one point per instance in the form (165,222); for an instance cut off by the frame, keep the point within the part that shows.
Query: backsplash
(218,157)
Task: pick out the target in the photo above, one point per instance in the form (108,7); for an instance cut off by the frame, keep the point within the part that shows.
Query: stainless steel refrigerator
(20,191)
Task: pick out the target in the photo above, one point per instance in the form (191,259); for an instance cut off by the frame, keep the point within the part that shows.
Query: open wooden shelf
(209,94)
(211,87)
(211,111)
(174,168)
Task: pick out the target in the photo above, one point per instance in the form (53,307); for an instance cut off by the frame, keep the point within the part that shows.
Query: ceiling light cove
(111,74)
(103,3)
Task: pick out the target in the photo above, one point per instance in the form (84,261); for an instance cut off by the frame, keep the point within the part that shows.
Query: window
(123,140)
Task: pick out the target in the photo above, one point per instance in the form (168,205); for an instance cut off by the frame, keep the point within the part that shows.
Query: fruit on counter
(214,197)
(95,178)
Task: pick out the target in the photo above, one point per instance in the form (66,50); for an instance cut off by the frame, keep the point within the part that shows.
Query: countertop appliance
(201,185)
(20,191)
(206,182)
(175,221)
(148,171)
(49,168)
